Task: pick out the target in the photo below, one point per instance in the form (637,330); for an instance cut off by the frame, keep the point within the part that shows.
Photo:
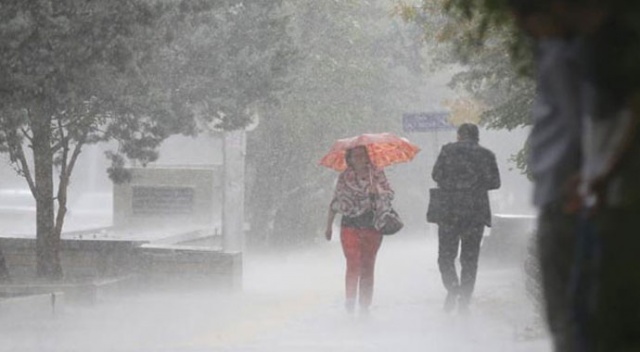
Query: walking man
(464,172)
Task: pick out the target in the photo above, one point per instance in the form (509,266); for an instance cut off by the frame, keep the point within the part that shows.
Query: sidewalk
(295,303)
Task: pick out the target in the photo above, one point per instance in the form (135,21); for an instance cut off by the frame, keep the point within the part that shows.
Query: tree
(495,57)
(232,63)
(76,72)
(352,74)
(486,26)
(231,59)
(71,75)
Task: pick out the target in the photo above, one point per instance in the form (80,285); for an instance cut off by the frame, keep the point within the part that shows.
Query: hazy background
(356,68)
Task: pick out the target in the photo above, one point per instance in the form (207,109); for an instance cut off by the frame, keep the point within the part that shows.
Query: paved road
(294,302)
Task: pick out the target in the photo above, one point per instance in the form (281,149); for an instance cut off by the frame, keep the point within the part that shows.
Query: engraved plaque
(149,201)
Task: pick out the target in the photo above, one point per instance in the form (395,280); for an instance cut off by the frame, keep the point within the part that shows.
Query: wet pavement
(294,302)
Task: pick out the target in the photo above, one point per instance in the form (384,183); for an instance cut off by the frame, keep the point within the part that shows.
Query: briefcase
(437,206)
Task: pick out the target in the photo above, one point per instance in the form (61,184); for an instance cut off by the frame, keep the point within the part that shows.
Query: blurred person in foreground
(362,189)
(602,282)
(464,172)
(555,157)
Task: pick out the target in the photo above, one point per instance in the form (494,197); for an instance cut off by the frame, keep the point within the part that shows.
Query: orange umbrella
(384,149)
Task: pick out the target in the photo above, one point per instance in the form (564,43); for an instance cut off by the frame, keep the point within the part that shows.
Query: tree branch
(65,174)
(24,165)
(26,135)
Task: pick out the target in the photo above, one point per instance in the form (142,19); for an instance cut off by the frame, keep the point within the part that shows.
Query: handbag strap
(374,194)
(375,187)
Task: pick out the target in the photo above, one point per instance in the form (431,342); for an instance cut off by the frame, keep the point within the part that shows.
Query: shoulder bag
(386,221)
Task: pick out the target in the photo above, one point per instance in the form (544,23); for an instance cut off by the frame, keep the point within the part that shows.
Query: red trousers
(360,247)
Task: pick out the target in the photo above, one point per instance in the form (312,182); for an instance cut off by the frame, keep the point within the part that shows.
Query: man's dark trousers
(556,246)
(468,236)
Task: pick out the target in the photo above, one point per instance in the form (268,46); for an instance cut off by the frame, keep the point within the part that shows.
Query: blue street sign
(426,122)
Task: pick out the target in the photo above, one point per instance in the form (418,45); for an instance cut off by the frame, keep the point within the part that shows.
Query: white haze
(294,302)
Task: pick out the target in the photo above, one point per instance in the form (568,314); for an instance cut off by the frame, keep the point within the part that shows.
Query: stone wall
(87,260)
(169,197)
(186,265)
(166,229)
(79,258)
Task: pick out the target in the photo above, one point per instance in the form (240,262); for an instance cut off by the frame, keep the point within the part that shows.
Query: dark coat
(464,172)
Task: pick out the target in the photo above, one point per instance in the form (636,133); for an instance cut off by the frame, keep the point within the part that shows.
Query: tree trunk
(47,240)
(262,213)
(276,213)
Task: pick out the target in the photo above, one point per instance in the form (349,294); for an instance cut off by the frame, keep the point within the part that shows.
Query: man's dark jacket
(464,172)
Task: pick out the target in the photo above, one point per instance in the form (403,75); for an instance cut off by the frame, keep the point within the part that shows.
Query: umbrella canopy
(384,149)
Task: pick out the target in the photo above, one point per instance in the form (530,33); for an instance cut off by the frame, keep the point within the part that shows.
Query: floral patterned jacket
(354,197)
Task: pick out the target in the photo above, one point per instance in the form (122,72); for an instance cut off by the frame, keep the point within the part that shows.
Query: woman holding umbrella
(362,192)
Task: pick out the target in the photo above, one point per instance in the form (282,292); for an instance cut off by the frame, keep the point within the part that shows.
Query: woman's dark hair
(530,7)
(469,131)
(347,155)
(526,8)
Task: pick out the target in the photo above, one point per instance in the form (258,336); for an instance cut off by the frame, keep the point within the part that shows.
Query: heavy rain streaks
(295,302)
(160,185)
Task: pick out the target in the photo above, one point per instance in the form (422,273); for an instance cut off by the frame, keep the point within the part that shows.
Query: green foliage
(230,60)
(343,83)
(513,111)
(520,161)
(75,72)
(496,58)
(71,73)
(483,29)
(78,67)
